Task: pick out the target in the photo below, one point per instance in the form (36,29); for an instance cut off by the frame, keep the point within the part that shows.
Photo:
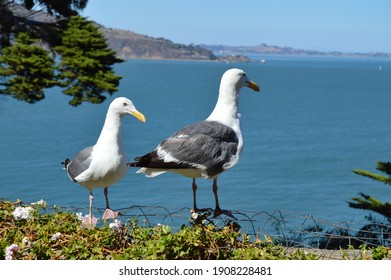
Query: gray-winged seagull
(104,164)
(204,149)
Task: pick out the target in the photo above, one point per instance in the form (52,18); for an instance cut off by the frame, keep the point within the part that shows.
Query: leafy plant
(367,202)
(57,235)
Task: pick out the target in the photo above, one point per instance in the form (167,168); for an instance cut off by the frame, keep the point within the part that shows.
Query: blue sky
(341,25)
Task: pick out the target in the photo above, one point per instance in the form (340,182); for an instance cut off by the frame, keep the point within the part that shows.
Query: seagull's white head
(237,79)
(123,106)
(226,109)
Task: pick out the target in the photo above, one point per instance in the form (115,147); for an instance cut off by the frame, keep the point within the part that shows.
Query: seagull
(204,149)
(103,164)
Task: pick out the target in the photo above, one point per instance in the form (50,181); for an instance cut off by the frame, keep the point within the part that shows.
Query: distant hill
(131,45)
(264,49)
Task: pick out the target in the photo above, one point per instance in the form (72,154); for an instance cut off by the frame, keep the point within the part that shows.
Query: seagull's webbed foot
(110,214)
(89,222)
(219,212)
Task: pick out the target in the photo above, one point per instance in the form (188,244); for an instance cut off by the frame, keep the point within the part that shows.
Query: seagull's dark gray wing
(208,144)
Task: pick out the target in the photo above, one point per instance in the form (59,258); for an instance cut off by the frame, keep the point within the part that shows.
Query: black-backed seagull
(204,149)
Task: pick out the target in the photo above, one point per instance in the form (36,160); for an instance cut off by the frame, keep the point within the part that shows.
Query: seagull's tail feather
(159,165)
(151,160)
(133,164)
(146,163)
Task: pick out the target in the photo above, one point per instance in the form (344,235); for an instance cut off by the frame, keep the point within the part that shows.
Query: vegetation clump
(30,232)
(34,232)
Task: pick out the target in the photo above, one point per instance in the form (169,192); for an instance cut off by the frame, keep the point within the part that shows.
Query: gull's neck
(226,112)
(226,109)
(111,131)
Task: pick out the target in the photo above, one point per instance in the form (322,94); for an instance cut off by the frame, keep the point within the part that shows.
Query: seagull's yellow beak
(253,86)
(138,115)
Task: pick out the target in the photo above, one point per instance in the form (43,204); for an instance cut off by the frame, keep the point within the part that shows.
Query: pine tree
(27,69)
(85,67)
(368,202)
(21,16)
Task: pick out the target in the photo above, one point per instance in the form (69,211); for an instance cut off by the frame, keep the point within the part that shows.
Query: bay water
(315,120)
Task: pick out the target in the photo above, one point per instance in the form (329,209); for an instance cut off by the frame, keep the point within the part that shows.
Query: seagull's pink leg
(91,221)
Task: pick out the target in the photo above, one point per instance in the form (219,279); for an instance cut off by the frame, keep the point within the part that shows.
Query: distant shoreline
(131,45)
(264,49)
(267,59)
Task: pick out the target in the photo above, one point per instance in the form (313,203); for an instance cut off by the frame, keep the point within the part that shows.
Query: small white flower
(10,251)
(25,241)
(80,216)
(22,213)
(194,215)
(116,225)
(40,203)
(55,236)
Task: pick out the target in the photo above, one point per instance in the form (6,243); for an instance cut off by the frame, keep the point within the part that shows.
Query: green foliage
(29,70)
(366,253)
(35,238)
(374,232)
(386,168)
(200,242)
(65,8)
(26,68)
(367,202)
(381,253)
(85,67)
(23,16)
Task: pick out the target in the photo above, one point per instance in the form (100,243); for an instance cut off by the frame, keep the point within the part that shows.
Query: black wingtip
(133,164)
(141,161)
(66,162)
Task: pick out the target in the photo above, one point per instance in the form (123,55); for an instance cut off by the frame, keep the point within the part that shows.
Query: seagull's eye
(243,74)
(125,104)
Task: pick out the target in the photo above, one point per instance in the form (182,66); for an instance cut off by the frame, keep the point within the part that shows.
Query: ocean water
(315,120)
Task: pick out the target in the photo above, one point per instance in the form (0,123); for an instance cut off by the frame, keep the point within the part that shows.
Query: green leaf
(86,63)
(27,68)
